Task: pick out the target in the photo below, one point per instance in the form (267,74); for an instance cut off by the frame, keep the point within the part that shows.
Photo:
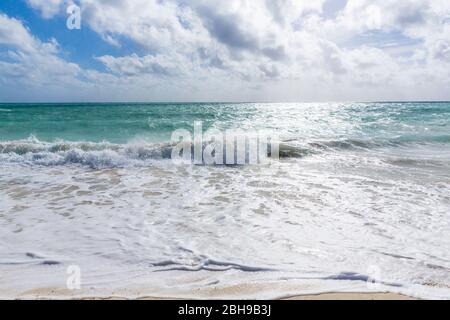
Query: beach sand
(241,291)
(55,294)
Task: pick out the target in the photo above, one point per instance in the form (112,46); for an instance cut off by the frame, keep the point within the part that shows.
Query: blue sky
(77,46)
(237,50)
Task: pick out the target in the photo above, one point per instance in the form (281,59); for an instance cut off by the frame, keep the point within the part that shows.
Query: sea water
(358,201)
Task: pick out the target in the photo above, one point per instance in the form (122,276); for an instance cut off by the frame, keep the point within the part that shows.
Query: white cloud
(134,65)
(15,35)
(48,8)
(370,48)
(28,64)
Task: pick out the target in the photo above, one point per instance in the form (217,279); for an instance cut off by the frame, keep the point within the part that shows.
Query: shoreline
(322,296)
(356,296)
(352,296)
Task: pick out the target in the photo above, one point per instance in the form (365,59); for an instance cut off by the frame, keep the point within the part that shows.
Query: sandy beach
(62,294)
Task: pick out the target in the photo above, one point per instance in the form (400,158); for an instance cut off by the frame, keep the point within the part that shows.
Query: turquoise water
(116,123)
(108,135)
(120,123)
(103,135)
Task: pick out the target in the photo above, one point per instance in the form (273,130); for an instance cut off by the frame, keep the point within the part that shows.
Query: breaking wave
(98,155)
(94,155)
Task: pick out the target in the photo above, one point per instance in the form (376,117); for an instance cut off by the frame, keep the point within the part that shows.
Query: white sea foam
(322,222)
(31,151)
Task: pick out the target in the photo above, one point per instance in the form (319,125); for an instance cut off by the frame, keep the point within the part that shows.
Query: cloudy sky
(225,50)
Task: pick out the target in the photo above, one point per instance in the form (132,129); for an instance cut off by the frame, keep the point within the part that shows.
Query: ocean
(359,200)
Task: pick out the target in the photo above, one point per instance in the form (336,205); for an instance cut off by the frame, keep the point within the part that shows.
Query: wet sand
(58,294)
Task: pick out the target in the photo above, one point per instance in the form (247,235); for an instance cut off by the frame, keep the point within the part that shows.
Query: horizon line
(220,102)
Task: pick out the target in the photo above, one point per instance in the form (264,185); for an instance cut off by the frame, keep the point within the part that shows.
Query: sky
(225,50)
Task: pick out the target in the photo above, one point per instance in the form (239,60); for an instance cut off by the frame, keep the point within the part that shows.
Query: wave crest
(94,155)
(98,155)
